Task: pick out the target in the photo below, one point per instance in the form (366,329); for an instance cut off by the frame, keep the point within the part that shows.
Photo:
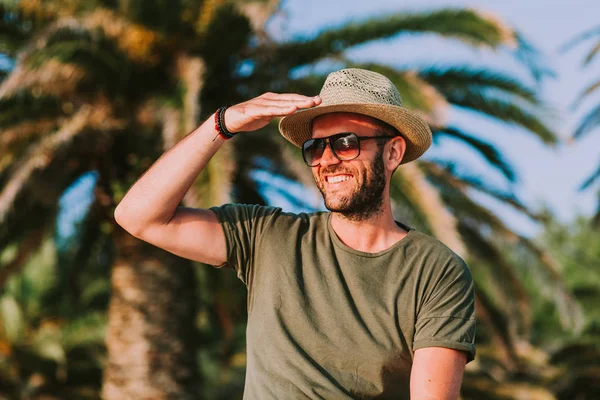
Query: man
(342,304)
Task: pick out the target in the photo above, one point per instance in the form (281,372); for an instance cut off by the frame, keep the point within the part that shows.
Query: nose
(328,158)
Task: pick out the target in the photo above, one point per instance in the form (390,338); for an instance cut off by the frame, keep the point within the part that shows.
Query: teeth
(338,178)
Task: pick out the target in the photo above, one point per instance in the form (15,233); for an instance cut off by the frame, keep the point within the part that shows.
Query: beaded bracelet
(220,126)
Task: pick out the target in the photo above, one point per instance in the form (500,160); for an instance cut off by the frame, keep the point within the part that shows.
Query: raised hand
(259,111)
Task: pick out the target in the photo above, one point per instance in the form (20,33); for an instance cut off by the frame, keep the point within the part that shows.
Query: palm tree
(108,85)
(591,120)
(88,76)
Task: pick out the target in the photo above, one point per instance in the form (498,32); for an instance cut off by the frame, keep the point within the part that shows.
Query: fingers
(256,113)
(275,104)
(292,99)
(274,110)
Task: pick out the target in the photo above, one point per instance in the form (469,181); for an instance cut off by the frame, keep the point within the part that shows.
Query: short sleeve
(447,318)
(243,226)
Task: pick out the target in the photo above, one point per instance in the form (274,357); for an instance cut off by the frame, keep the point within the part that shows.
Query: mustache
(335,169)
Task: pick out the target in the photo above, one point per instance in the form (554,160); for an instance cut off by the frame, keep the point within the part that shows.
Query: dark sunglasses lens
(346,146)
(312,150)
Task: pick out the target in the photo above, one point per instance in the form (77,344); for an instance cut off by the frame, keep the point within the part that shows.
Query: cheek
(315,174)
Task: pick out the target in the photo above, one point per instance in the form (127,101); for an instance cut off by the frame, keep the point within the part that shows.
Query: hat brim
(297,128)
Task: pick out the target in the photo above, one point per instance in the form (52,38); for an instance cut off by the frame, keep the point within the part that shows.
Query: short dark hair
(384,129)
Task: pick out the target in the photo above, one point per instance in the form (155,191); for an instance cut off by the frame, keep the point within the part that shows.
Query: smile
(337,178)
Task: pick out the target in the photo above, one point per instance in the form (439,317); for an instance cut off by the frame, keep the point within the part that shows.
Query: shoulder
(436,261)
(266,215)
(238,212)
(432,248)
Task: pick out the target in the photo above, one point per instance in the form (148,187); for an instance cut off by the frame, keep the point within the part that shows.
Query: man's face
(352,188)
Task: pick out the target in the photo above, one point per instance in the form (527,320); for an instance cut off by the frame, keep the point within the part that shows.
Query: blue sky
(548,176)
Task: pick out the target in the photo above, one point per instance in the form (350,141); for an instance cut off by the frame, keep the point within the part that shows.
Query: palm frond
(485,149)
(569,310)
(162,15)
(448,170)
(13,141)
(426,198)
(102,50)
(502,108)
(504,277)
(105,29)
(24,107)
(44,11)
(12,36)
(459,77)
(590,33)
(405,211)
(99,57)
(53,78)
(465,208)
(579,360)
(591,179)
(589,122)
(528,55)
(23,132)
(592,54)
(497,325)
(585,93)
(139,43)
(469,26)
(42,153)
(206,15)
(47,11)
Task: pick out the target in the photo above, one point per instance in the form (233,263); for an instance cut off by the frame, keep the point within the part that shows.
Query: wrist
(220,127)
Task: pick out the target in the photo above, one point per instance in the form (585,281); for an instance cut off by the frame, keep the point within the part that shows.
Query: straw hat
(362,92)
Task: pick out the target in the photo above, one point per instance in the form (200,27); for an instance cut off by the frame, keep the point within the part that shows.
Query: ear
(396,148)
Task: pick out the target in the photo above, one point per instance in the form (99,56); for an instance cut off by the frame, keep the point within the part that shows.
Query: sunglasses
(344,146)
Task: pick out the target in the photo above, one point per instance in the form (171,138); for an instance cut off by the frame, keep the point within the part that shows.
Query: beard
(365,201)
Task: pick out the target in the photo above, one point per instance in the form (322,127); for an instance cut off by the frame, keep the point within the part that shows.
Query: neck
(373,234)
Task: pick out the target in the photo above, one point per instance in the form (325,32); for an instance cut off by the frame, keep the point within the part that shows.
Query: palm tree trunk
(150,332)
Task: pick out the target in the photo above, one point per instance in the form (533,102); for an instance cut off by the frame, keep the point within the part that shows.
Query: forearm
(154,198)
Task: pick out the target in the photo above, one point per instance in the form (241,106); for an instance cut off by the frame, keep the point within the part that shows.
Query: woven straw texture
(362,92)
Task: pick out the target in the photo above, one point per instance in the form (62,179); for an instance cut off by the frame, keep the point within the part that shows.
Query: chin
(354,207)
(337,203)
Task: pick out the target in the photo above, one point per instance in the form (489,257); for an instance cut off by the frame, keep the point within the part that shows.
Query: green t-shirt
(326,321)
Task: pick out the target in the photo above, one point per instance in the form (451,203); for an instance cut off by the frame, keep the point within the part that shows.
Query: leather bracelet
(220,126)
